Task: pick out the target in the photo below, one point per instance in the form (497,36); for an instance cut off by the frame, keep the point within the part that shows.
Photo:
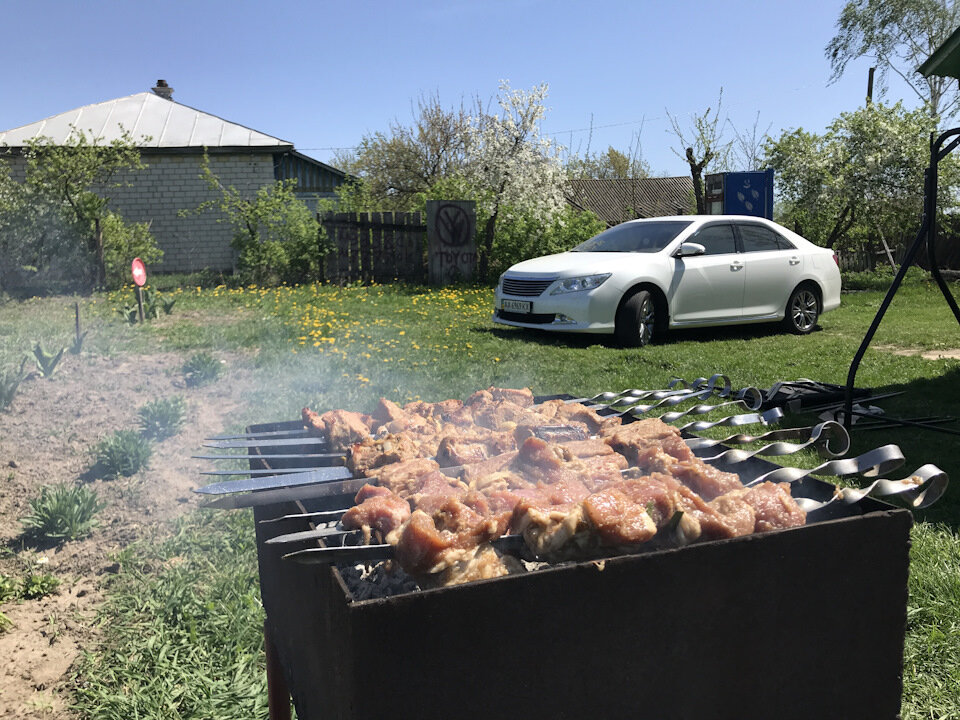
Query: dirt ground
(944,354)
(46,437)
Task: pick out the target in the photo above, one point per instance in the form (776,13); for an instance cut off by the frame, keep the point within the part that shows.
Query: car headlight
(500,282)
(576,284)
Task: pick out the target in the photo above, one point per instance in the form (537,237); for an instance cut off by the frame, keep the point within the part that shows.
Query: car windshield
(641,237)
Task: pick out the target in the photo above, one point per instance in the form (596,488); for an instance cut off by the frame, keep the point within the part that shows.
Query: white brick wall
(172,183)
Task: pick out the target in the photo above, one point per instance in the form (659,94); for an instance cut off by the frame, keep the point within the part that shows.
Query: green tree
(51,224)
(497,159)
(408,159)
(612,164)
(122,242)
(861,181)
(512,168)
(898,35)
(276,236)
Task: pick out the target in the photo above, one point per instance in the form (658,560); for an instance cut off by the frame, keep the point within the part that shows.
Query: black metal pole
(936,154)
(927,233)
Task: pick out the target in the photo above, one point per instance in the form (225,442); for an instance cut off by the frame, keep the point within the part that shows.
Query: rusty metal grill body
(798,623)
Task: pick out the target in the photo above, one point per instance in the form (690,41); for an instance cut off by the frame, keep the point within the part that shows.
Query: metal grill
(716,616)
(526,287)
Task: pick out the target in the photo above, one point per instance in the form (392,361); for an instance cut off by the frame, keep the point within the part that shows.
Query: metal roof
(945,60)
(166,123)
(617,200)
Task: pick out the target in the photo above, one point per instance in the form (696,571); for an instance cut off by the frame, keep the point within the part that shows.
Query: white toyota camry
(644,276)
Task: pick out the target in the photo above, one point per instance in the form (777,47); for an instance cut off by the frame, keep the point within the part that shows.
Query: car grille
(525,288)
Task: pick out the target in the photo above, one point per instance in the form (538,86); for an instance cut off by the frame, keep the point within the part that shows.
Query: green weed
(124,453)
(39,585)
(9,384)
(162,418)
(47,362)
(185,640)
(201,368)
(63,512)
(8,588)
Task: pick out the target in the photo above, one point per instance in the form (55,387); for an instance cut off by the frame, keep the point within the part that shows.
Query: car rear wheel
(803,310)
(636,320)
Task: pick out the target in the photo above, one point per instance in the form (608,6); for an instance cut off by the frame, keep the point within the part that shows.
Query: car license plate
(520,306)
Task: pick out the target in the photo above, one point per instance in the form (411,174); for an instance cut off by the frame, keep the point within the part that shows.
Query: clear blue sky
(322,74)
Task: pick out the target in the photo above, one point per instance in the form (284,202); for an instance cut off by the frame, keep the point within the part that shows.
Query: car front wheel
(636,320)
(803,310)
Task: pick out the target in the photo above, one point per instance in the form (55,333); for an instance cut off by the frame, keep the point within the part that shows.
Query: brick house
(617,200)
(172,138)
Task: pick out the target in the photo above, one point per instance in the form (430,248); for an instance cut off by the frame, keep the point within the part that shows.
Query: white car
(644,276)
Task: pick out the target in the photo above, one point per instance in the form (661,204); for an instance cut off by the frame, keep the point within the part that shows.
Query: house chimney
(163,90)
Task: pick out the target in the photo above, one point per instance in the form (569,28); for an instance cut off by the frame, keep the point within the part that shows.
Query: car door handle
(736,265)
(794,260)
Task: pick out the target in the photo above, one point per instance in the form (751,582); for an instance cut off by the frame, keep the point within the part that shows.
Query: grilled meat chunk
(375,452)
(579,413)
(547,528)
(487,467)
(341,428)
(533,427)
(442,410)
(432,491)
(431,543)
(617,518)
(380,513)
(403,477)
(453,451)
(653,446)
(519,396)
(773,506)
(483,563)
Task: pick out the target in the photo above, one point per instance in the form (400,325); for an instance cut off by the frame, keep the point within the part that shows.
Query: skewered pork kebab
(565,499)
(488,423)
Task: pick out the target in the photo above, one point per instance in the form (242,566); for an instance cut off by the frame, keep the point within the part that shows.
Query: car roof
(704,218)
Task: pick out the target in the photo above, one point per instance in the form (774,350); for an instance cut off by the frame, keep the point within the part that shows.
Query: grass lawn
(183,616)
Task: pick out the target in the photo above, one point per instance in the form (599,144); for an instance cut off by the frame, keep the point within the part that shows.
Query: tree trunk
(101,279)
(841,226)
(488,233)
(696,173)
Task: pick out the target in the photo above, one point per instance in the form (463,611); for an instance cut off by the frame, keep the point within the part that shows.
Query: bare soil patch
(942,354)
(46,437)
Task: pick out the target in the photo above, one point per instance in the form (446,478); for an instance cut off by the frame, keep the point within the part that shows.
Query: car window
(643,237)
(785,244)
(718,239)
(757,238)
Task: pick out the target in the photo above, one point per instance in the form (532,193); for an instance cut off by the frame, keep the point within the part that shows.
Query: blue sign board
(748,193)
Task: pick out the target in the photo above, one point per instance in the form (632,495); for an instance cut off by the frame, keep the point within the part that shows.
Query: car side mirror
(689,249)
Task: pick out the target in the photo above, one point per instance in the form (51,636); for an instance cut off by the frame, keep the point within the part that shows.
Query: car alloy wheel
(803,310)
(636,320)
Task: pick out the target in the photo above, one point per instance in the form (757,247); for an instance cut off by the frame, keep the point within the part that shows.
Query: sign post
(139,272)
(451,237)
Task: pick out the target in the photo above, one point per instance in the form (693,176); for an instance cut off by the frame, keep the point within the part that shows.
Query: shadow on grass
(920,399)
(671,337)
(937,397)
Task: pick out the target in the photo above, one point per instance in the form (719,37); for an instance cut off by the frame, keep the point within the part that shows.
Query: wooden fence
(947,250)
(374,247)
(859,260)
